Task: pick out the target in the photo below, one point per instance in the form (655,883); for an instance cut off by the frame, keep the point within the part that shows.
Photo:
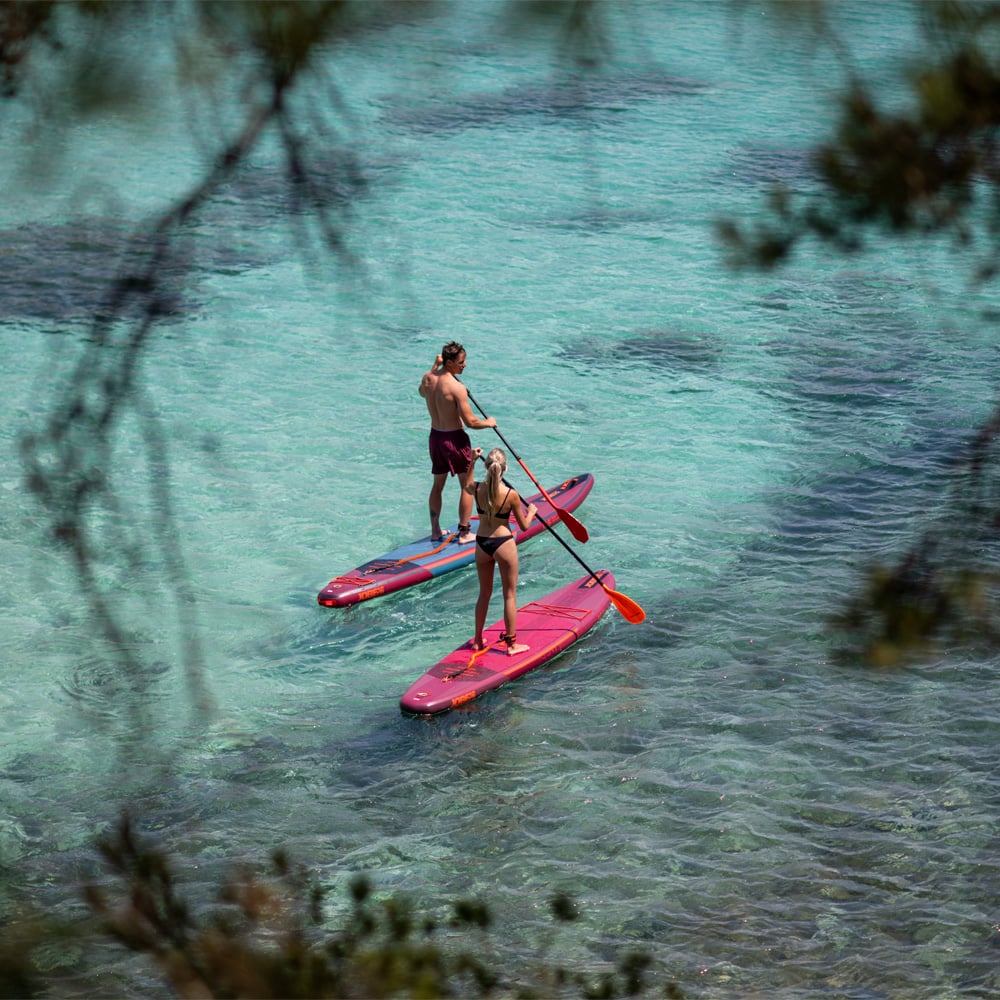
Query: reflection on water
(674,353)
(586,98)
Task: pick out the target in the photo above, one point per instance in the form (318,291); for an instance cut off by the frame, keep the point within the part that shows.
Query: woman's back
(501,511)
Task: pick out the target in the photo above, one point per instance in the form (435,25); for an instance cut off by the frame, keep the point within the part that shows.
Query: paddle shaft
(559,538)
(579,532)
(510,449)
(629,608)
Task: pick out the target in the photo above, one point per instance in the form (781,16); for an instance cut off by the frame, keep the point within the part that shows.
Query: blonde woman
(496,502)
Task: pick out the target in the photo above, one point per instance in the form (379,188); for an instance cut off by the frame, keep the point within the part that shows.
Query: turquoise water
(710,784)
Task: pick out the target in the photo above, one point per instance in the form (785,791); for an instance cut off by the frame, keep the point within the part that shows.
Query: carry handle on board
(630,610)
(577,530)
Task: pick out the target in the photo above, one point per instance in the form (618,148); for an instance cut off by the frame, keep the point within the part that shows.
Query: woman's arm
(523,518)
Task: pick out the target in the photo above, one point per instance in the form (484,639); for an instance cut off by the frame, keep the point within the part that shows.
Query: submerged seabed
(709,785)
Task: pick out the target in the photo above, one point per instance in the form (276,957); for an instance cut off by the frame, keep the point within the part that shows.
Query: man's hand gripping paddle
(577,530)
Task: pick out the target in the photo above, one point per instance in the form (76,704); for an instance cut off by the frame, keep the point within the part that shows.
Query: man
(451,450)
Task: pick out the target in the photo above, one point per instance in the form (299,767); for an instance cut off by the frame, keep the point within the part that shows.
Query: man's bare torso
(443,395)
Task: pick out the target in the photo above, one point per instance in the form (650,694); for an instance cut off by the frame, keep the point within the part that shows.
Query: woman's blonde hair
(496,466)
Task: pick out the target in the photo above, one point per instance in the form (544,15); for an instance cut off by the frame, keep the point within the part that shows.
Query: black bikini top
(498,515)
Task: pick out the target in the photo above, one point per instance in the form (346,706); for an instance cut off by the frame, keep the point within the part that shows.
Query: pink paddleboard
(547,626)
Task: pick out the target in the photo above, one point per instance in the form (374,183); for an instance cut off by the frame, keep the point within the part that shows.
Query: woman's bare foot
(478,645)
(465,537)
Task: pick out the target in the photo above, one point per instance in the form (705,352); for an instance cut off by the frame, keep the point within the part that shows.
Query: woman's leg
(484,567)
(506,557)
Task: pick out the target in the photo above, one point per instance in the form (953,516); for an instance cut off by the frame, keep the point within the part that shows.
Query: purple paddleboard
(425,559)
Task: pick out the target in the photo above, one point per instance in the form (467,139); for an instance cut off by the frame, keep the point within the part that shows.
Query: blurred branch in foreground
(922,164)
(265,937)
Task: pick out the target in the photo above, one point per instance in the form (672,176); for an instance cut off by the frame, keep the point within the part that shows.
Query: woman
(495,544)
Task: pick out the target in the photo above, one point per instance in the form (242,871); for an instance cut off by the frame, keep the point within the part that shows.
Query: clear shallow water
(710,784)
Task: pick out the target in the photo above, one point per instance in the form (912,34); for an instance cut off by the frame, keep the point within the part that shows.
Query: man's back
(443,396)
(450,450)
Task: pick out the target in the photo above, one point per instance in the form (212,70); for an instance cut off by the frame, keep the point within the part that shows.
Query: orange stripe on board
(429,552)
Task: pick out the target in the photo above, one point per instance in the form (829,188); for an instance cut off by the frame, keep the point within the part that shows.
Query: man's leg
(465,519)
(434,502)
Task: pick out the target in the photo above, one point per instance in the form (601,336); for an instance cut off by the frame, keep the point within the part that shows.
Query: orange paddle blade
(576,529)
(629,609)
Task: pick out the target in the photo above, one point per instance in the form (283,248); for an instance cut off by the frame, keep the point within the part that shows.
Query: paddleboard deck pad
(426,558)
(547,627)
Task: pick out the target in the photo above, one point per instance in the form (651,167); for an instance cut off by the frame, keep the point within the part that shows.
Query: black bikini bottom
(490,543)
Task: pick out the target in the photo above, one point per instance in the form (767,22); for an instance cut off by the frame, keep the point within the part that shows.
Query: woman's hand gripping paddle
(577,530)
(631,611)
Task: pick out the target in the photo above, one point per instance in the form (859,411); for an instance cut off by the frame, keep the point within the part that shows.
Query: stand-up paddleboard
(547,626)
(425,559)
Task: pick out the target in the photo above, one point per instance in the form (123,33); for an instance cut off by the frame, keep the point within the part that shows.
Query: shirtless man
(451,450)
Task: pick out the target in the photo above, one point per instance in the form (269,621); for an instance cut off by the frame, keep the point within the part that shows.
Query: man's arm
(427,382)
(465,411)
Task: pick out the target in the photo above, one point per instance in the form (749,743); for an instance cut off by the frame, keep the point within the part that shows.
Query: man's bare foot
(465,538)
(518,647)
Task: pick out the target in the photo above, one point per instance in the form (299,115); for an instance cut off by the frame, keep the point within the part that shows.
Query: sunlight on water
(708,784)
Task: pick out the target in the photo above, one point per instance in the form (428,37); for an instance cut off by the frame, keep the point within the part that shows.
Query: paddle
(630,610)
(577,530)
